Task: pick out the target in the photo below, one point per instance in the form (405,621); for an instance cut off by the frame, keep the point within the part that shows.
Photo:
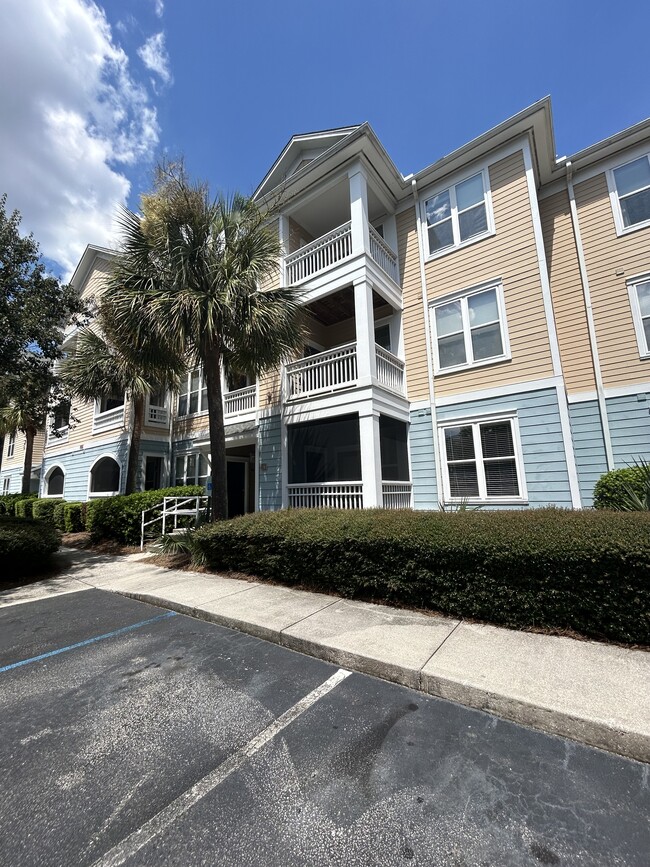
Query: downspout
(591,328)
(425,310)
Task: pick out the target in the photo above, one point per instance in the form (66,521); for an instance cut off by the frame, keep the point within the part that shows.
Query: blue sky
(227,83)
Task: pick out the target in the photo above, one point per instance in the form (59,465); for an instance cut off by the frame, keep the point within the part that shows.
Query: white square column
(364,323)
(370,459)
(359,209)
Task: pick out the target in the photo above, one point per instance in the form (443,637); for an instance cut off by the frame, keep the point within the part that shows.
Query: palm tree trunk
(134,448)
(30,434)
(212,372)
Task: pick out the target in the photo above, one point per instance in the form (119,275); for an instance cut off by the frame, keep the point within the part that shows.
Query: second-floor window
(61,418)
(11,445)
(457,215)
(470,330)
(640,301)
(632,184)
(193,394)
(113,401)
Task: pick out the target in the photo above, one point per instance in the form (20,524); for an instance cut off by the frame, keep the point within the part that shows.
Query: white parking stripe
(173,811)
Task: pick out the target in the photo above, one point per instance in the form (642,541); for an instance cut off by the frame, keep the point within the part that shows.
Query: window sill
(190,415)
(492,501)
(97,494)
(448,250)
(628,230)
(444,371)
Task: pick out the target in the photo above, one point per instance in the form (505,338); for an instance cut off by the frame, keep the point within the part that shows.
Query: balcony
(58,436)
(382,254)
(158,415)
(240,402)
(108,420)
(336,369)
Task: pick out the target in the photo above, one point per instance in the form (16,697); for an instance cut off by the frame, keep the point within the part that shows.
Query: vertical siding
(588,445)
(545,465)
(415,349)
(610,261)
(77,464)
(270,454)
(567,294)
(423,464)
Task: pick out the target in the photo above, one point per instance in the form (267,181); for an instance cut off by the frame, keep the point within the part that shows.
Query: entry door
(153,469)
(236,487)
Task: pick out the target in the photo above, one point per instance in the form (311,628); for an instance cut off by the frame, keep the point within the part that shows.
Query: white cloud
(159,8)
(154,56)
(74,119)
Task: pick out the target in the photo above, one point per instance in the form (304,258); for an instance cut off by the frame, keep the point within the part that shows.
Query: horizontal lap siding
(566,290)
(15,476)
(540,429)
(605,255)
(629,426)
(423,464)
(588,445)
(77,464)
(511,254)
(415,332)
(270,454)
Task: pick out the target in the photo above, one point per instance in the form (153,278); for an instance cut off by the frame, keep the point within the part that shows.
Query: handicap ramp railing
(170,510)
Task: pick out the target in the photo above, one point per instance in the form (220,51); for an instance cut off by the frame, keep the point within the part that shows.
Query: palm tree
(105,364)
(28,420)
(191,272)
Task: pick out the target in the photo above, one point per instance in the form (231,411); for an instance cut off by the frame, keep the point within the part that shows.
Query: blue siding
(589,446)
(629,427)
(15,481)
(545,465)
(77,466)
(423,465)
(270,454)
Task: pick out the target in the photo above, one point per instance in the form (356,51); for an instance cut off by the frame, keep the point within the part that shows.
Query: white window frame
(46,481)
(475,422)
(451,188)
(201,410)
(462,296)
(91,495)
(143,468)
(185,455)
(632,284)
(11,444)
(6,484)
(621,228)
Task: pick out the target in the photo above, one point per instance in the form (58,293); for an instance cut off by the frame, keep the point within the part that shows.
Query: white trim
(632,288)
(97,494)
(615,199)
(497,391)
(462,296)
(475,422)
(46,481)
(567,436)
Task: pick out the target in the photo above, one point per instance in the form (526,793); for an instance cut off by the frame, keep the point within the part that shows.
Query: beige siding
(566,290)
(96,280)
(188,427)
(610,261)
(415,349)
(15,462)
(510,254)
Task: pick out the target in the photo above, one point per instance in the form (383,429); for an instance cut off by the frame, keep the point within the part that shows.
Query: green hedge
(585,570)
(8,502)
(25,545)
(23,507)
(119,518)
(44,509)
(74,517)
(610,490)
(58,515)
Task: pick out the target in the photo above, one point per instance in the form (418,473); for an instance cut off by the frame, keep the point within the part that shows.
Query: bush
(25,545)
(58,515)
(8,502)
(74,517)
(119,518)
(586,570)
(44,509)
(611,490)
(23,507)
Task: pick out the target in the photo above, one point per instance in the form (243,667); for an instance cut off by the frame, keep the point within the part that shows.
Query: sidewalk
(594,693)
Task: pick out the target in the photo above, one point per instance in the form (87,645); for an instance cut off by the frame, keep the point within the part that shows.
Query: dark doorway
(153,470)
(236,484)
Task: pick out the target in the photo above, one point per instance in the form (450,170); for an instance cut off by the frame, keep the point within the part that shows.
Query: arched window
(55,481)
(105,477)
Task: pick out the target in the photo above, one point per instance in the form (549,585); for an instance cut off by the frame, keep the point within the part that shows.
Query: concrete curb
(593,732)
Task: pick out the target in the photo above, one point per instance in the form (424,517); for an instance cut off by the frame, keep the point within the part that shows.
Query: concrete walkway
(594,693)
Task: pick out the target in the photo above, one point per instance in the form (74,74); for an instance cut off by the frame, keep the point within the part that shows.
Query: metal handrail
(175,511)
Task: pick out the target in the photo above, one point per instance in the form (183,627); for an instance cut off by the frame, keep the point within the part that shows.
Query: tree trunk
(30,434)
(212,372)
(134,448)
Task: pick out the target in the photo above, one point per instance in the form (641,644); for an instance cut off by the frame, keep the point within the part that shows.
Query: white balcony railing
(240,401)
(382,254)
(157,415)
(326,371)
(327,495)
(61,435)
(396,495)
(108,420)
(320,255)
(390,369)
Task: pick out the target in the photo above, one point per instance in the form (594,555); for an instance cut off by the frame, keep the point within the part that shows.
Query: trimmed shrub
(58,515)
(74,520)
(119,518)
(25,545)
(23,507)
(610,491)
(8,502)
(44,509)
(587,571)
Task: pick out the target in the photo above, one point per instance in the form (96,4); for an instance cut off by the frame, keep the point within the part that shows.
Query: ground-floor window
(55,481)
(393,436)
(482,460)
(192,469)
(105,478)
(325,451)
(6,482)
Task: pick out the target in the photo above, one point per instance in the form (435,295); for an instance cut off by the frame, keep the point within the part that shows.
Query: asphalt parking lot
(131,735)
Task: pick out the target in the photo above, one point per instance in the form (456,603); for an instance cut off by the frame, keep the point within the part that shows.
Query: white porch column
(364,323)
(370,459)
(283,233)
(359,209)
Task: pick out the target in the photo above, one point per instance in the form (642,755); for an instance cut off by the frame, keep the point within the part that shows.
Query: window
(470,330)
(457,215)
(5,484)
(193,395)
(640,301)
(482,461)
(105,478)
(11,445)
(631,184)
(192,469)
(55,482)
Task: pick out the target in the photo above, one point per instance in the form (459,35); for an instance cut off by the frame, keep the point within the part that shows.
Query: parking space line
(132,844)
(115,632)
